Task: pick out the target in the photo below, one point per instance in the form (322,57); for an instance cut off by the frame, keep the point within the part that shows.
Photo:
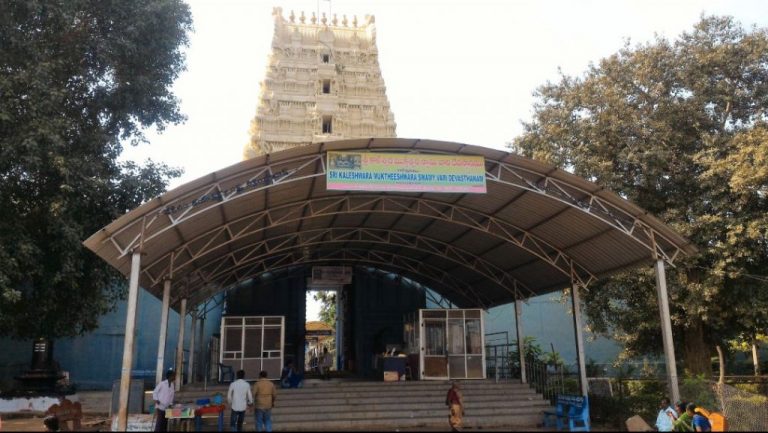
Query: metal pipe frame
(411,268)
(196,249)
(217,269)
(300,168)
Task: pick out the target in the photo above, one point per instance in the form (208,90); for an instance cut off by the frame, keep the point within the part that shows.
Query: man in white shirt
(163,396)
(667,415)
(239,397)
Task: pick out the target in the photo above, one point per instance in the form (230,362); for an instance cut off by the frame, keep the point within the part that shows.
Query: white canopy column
(520,338)
(130,328)
(578,326)
(666,330)
(191,366)
(180,345)
(163,331)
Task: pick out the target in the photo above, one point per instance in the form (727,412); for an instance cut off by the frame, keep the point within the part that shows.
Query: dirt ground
(35,423)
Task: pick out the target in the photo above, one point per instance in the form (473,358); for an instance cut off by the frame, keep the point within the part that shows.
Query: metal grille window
(253,344)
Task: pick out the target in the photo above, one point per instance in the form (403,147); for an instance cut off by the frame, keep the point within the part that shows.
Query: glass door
(434,360)
(452,344)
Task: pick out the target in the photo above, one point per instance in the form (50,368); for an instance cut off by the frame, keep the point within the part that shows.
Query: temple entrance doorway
(321,330)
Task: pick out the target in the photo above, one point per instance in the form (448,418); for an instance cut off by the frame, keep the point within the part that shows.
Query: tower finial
(335,20)
(314,18)
(292,17)
(344,20)
(324,20)
(302,17)
(354,21)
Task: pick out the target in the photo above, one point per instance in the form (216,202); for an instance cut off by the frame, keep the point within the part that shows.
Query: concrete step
(378,388)
(403,412)
(365,405)
(405,399)
(528,421)
(403,406)
(351,383)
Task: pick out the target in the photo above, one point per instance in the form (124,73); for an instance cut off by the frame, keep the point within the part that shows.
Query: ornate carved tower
(323,83)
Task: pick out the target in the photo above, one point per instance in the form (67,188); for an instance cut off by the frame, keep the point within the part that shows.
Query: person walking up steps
(264,392)
(239,398)
(455,402)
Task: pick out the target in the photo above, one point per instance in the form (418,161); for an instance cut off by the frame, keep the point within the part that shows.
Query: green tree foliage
(678,127)
(327,306)
(77,78)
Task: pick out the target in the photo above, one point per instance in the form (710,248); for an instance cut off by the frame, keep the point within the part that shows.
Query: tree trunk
(696,353)
(755,359)
(721,360)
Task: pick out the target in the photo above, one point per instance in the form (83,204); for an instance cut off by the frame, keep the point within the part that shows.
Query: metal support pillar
(180,345)
(163,331)
(577,325)
(666,330)
(520,339)
(191,366)
(201,340)
(339,329)
(130,328)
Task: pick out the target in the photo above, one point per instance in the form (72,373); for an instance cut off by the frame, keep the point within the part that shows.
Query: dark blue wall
(94,360)
(550,321)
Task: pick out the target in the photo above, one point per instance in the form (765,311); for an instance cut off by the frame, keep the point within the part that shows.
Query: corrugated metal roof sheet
(523,237)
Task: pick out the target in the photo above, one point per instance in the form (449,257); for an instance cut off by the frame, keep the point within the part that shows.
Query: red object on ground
(210,409)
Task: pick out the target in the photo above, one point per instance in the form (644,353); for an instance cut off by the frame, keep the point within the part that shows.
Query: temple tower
(323,83)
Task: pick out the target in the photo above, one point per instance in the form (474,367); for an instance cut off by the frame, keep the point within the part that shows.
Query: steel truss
(224,264)
(212,196)
(406,266)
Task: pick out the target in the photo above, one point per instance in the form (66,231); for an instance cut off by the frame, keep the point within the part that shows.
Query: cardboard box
(391,376)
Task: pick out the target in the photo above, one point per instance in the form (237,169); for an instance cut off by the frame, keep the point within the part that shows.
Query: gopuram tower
(323,83)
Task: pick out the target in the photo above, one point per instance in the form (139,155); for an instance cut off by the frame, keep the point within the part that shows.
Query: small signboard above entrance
(331,275)
(372,171)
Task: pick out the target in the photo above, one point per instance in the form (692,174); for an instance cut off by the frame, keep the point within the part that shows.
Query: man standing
(163,396)
(325,364)
(239,398)
(455,402)
(666,416)
(265,393)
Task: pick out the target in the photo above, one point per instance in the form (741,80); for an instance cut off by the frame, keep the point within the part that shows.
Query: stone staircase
(358,405)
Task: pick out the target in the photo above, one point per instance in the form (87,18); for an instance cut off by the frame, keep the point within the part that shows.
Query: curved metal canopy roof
(537,229)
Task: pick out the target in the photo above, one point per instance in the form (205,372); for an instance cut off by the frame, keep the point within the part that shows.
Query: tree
(327,306)
(77,79)
(679,128)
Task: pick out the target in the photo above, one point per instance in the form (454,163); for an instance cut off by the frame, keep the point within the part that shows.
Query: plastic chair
(226,373)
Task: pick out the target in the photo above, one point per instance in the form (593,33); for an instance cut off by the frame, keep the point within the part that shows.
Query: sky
(462,71)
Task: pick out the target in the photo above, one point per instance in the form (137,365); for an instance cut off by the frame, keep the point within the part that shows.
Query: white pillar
(666,331)
(201,343)
(755,360)
(520,338)
(180,345)
(191,366)
(163,331)
(577,324)
(130,327)
(339,329)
